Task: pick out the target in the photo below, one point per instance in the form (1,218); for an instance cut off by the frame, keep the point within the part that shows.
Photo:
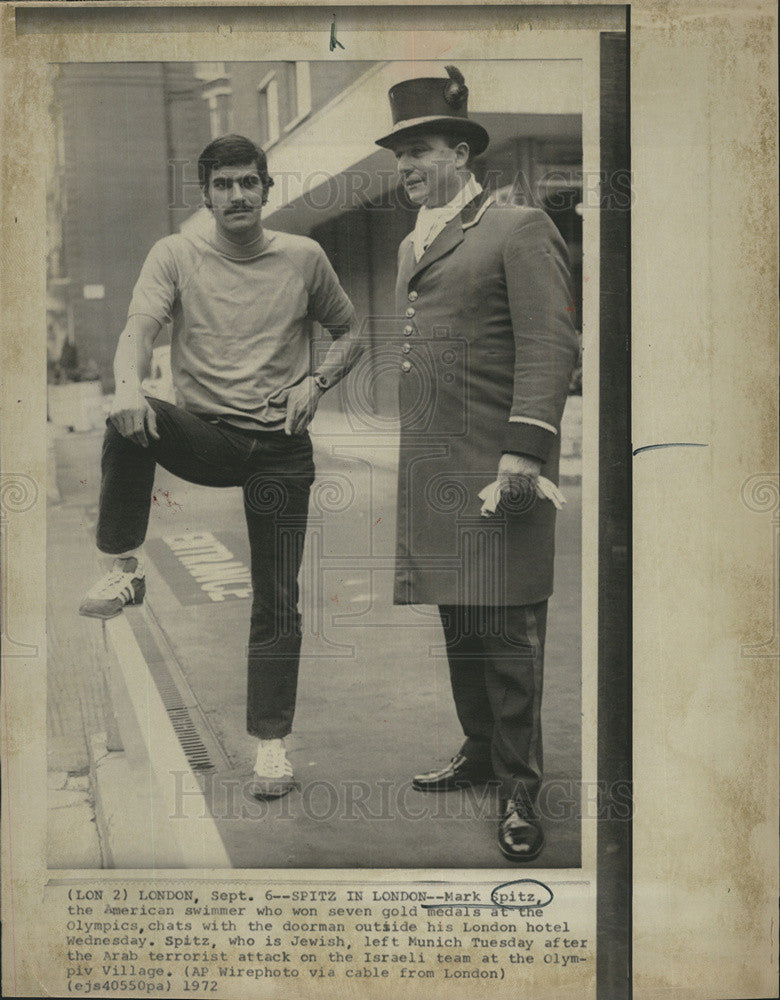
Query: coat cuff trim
(536,423)
(526,438)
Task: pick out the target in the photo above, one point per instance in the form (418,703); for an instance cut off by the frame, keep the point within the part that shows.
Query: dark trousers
(275,472)
(496,658)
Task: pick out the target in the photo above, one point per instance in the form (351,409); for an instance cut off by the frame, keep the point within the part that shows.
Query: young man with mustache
(241,301)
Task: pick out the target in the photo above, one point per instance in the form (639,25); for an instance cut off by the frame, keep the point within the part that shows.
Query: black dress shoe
(520,834)
(461,772)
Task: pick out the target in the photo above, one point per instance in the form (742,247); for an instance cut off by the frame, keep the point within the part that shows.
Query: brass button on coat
(406,348)
(413,296)
(406,366)
(408,331)
(410,312)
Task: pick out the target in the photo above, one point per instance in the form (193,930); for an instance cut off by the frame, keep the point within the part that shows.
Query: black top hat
(431,104)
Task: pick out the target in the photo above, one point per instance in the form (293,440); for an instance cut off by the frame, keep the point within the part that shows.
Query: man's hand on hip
(133,417)
(518,476)
(302,402)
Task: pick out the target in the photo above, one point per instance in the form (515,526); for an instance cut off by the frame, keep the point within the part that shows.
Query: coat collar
(473,212)
(450,236)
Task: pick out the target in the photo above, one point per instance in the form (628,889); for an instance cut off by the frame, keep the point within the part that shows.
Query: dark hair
(455,138)
(232,151)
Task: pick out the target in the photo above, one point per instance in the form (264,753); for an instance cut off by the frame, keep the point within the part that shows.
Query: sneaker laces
(272,761)
(115,577)
(113,582)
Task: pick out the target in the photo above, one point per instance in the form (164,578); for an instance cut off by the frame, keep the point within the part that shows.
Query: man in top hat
(487,348)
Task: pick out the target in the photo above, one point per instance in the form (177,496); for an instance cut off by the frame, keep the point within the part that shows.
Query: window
(218,95)
(220,111)
(299,93)
(268,110)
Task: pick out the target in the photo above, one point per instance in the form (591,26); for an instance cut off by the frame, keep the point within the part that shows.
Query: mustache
(237,208)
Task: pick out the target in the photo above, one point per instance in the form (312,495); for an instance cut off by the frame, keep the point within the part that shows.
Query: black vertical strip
(613,908)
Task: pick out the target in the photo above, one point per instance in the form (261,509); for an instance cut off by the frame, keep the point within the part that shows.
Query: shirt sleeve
(540,303)
(329,304)
(155,289)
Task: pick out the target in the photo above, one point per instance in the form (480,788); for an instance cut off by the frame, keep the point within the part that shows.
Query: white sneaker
(273,774)
(124,584)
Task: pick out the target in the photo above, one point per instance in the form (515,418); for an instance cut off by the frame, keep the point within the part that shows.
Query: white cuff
(536,423)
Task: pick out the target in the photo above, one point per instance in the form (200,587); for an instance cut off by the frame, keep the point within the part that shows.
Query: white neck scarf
(431,221)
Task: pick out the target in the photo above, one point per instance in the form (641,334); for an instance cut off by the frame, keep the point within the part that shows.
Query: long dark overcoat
(487,347)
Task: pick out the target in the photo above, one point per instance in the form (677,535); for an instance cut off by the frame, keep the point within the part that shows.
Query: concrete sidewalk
(374,702)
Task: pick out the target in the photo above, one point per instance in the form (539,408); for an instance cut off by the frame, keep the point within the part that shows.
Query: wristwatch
(321,381)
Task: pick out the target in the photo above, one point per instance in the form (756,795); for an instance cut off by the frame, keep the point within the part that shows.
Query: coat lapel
(406,262)
(452,234)
(475,209)
(447,240)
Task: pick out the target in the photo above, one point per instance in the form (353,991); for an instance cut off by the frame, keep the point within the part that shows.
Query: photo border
(750,448)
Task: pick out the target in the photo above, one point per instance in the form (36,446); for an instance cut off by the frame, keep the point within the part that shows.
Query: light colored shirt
(242,318)
(431,221)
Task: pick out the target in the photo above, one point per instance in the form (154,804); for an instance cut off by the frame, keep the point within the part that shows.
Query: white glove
(491,495)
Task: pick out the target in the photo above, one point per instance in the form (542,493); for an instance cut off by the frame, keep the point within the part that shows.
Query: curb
(141,822)
(133,829)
